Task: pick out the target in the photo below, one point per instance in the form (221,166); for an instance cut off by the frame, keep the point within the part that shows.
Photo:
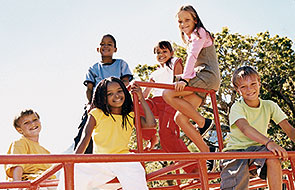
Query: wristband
(270,140)
(186,83)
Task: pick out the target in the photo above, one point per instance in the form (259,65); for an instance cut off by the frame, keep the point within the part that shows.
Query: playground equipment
(200,179)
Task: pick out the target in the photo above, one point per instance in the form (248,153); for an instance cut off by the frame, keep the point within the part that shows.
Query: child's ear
(237,90)
(97,49)
(115,50)
(19,130)
(172,53)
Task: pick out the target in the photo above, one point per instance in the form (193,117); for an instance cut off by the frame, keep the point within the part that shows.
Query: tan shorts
(205,80)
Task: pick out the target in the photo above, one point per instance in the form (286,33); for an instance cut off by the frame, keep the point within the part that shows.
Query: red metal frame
(181,159)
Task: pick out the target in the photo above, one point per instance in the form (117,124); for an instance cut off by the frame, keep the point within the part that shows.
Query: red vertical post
(290,185)
(69,175)
(204,174)
(216,119)
(137,123)
(292,180)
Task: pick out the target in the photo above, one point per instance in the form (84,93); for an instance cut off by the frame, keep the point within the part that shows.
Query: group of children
(110,117)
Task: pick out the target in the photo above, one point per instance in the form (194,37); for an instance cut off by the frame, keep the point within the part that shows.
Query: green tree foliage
(274,59)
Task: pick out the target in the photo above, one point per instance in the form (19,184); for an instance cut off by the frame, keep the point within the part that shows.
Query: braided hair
(100,100)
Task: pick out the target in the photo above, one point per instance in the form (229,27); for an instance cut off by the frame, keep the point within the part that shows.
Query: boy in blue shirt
(249,119)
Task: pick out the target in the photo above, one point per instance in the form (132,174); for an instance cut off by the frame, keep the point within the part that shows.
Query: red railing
(181,160)
(68,161)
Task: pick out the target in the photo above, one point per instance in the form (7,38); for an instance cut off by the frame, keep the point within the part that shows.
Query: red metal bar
(170,86)
(290,181)
(48,173)
(292,160)
(204,175)
(15,184)
(139,157)
(217,121)
(69,175)
(178,165)
(137,123)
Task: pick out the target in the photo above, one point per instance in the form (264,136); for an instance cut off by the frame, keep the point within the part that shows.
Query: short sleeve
(236,112)
(277,115)
(97,114)
(90,75)
(125,70)
(16,147)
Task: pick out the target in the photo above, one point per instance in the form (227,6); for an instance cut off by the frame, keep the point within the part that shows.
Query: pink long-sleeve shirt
(194,47)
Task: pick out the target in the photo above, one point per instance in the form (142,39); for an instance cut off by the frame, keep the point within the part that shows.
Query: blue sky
(47,46)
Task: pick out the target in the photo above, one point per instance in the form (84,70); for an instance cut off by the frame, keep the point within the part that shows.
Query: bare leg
(187,105)
(274,174)
(184,123)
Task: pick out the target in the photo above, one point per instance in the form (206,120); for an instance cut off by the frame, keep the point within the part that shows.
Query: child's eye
(109,94)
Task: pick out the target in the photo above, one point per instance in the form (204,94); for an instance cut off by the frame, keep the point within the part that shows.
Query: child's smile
(186,22)
(115,97)
(107,47)
(249,88)
(163,55)
(30,126)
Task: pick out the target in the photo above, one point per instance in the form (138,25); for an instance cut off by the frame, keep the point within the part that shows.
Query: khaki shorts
(235,173)
(205,80)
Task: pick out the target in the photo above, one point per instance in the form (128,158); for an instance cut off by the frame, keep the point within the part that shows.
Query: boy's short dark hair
(113,39)
(23,113)
(242,73)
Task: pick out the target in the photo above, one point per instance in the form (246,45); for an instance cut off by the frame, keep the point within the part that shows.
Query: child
(249,119)
(169,67)
(201,70)
(107,67)
(28,124)
(110,124)
(168,130)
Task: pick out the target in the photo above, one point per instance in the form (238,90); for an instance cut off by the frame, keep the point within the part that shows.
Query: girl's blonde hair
(196,18)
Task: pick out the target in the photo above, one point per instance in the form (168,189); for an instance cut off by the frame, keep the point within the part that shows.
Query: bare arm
(289,130)
(147,90)
(255,135)
(89,92)
(125,80)
(17,173)
(86,135)
(178,67)
(149,120)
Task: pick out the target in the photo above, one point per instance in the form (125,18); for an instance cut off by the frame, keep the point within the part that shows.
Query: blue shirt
(100,71)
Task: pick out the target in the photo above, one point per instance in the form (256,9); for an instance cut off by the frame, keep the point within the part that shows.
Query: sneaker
(208,125)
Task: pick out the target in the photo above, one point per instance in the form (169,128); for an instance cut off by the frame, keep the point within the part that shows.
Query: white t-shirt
(163,75)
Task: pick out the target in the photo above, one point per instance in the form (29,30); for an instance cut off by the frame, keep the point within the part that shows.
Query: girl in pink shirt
(201,70)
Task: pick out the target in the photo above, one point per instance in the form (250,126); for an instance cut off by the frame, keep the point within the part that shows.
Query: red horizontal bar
(170,86)
(82,158)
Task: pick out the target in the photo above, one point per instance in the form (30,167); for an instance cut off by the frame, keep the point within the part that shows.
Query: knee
(179,118)
(273,163)
(166,96)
